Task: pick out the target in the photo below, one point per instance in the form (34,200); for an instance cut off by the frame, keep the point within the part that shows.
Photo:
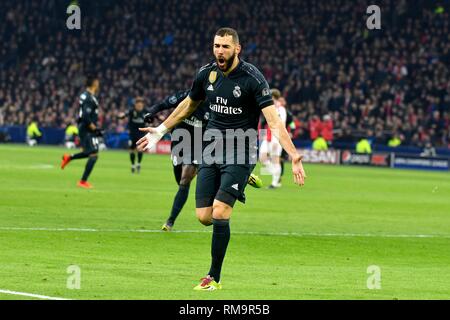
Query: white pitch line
(285,234)
(38,296)
(41,166)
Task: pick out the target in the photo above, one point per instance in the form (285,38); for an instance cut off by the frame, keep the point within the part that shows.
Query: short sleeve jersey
(236,100)
(135,121)
(88,112)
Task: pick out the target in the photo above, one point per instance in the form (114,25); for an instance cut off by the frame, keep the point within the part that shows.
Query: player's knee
(185,180)
(187,175)
(221,210)
(205,219)
(204,216)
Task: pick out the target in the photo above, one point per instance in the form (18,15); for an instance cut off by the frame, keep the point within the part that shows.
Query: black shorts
(134,137)
(132,142)
(224,182)
(89,142)
(183,157)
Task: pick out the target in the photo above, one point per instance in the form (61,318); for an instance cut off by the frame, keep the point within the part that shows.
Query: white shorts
(273,148)
(264,148)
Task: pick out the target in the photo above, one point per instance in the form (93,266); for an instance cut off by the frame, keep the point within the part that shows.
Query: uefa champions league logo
(173,100)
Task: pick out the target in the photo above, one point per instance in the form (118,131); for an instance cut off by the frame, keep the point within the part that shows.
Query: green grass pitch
(315,242)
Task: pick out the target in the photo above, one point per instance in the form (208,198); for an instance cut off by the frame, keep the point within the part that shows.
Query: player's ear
(238,49)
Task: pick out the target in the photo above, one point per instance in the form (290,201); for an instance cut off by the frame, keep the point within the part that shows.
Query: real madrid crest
(212,76)
(237,92)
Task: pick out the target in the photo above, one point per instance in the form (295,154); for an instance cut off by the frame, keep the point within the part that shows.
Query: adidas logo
(210,88)
(235,186)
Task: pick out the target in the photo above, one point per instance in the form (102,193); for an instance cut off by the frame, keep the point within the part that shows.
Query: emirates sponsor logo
(221,107)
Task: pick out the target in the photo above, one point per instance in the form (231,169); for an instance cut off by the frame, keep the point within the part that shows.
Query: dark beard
(228,63)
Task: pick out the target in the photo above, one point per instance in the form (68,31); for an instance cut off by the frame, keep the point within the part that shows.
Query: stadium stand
(393,82)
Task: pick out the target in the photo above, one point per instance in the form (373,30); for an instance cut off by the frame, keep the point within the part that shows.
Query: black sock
(177,171)
(282,169)
(220,239)
(140,154)
(80,155)
(132,158)
(178,203)
(89,166)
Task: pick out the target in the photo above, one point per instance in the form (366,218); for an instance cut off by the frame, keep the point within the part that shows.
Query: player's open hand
(149,140)
(298,171)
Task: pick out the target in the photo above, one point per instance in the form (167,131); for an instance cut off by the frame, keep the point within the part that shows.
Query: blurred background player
(88,130)
(184,165)
(135,121)
(270,149)
(290,127)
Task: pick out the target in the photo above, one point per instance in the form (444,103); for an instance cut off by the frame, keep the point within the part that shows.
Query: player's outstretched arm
(184,110)
(168,103)
(279,130)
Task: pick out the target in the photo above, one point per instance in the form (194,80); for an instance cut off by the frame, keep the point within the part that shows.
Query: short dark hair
(222,32)
(90,78)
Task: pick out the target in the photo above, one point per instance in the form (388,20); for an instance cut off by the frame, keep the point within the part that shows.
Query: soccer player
(264,145)
(135,121)
(290,123)
(270,149)
(185,165)
(88,130)
(237,92)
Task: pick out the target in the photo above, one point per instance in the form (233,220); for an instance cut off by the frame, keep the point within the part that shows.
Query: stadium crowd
(336,75)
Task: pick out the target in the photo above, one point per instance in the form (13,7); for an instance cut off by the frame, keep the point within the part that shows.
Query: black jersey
(199,118)
(196,122)
(235,100)
(88,111)
(136,121)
